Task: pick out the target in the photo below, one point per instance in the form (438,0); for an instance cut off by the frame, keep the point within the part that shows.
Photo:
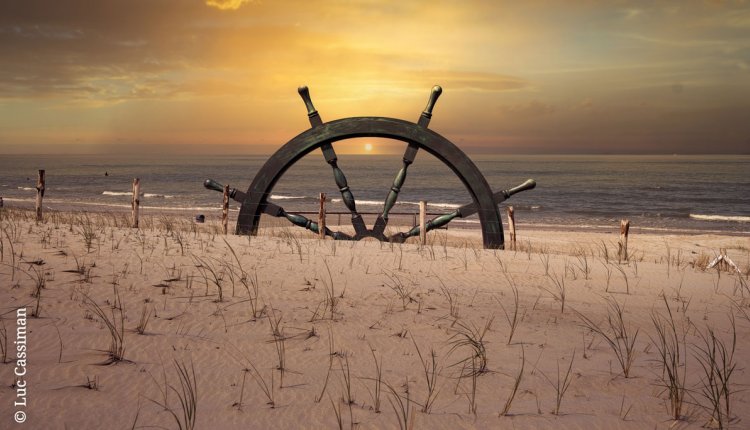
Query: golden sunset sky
(518,77)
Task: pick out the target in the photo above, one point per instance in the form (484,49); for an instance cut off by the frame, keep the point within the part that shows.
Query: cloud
(740,19)
(226,70)
(480,81)
(632,13)
(226,4)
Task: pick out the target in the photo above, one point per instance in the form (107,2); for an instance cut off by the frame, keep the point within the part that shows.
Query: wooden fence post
(39,195)
(512,227)
(422,232)
(135,204)
(322,217)
(622,246)
(225,210)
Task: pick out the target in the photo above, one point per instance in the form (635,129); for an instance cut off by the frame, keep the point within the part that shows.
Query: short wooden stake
(512,227)
(622,246)
(422,232)
(225,210)
(136,203)
(39,195)
(322,217)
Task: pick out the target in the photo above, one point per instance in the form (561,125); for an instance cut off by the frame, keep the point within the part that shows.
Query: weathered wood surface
(39,195)
(136,202)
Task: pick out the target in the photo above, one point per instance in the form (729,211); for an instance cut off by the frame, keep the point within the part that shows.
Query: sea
(659,193)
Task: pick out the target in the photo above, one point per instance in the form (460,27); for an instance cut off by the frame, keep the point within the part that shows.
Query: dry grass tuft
(469,336)
(716,358)
(516,385)
(115,325)
(670,346)
(617,334)
(184,414)
(561,384)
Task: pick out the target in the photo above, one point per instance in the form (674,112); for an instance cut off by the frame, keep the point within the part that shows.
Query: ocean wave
(159,208)
(279,197)
(27,188)
(466,221)
(187,208)
(117,193)
(362,202)
(402,203)
(69,203)
(444,205)
(733,218)
(158,196)
(526,207)
(434,205)
(130,193)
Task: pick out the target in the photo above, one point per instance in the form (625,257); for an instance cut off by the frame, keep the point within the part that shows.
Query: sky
(221,76)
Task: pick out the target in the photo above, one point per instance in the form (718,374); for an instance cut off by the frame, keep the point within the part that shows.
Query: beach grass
(303,319)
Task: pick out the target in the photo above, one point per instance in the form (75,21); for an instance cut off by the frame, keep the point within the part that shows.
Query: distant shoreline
(214,214)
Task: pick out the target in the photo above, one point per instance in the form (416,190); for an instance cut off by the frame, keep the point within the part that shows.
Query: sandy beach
(176,326)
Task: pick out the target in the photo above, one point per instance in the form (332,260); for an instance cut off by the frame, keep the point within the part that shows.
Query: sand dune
(232,312)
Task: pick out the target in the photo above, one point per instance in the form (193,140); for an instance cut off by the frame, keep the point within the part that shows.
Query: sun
(368,147)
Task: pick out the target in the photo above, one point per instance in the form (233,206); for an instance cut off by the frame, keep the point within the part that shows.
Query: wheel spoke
(409,155)
(330,155)
(462,212)
(346,194)
(234,193)
(436,222)
(424,118)
(398,182)
(499,197)
(305,222)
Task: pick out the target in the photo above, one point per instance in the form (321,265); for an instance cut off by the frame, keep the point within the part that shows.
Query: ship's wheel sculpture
(416,135)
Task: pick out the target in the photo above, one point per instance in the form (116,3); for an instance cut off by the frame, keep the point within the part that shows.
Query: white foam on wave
(407,202)
(434,205)
(380,203)
(278,197)
(466,221)
(27,188)
(444,205)
(130,193)
(362,202)
(733,218)
(359,202)
(126,206)
(117,193)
